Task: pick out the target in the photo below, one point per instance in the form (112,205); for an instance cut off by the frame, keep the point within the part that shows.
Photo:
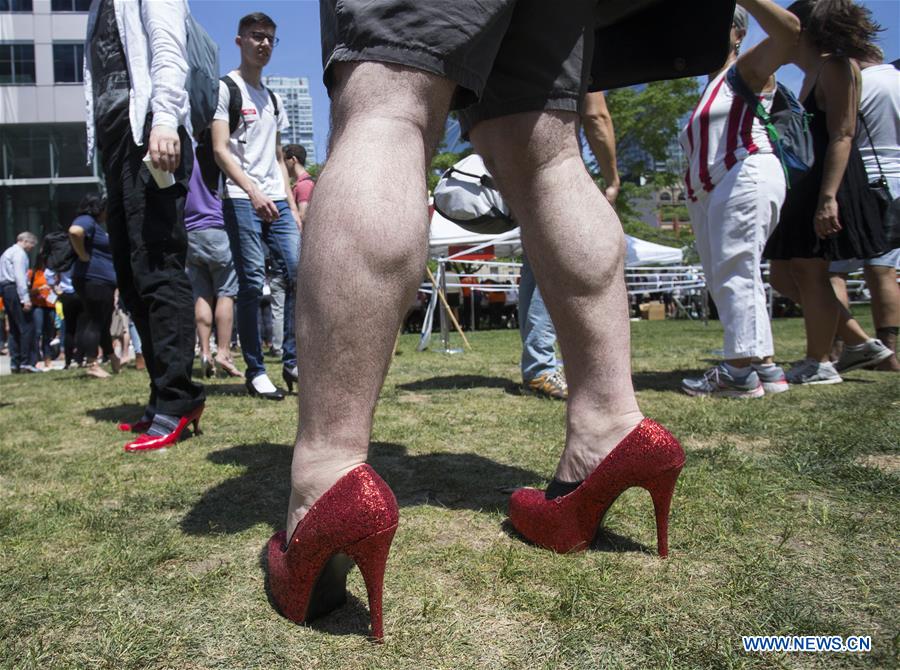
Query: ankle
(313,472)
(587,446)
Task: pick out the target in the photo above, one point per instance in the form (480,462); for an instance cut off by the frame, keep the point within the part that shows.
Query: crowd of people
(187,244)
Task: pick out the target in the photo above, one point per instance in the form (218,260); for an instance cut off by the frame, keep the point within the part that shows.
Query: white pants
(731,225)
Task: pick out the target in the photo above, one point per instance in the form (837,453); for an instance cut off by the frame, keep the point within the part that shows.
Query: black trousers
(21,327)
(149,247)
(72,310)
(93,325)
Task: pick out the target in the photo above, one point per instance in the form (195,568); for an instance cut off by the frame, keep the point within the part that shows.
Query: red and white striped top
(721,131)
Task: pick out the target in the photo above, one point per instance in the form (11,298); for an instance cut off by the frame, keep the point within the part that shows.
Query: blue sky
(300,54)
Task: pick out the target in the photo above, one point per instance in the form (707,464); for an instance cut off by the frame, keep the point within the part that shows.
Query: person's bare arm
(76,237)
(839,88)
(759,63)
(279,156)
(265,208)
(301,210)
(598,128)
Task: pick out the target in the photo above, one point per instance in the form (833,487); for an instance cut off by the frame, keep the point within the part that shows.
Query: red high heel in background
(146,442)
(354,521)
(649,457)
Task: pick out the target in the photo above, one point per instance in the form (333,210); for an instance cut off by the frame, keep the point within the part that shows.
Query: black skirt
(862,232)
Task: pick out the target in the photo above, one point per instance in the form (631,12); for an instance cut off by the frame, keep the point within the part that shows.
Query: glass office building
(43,167)
(294,92)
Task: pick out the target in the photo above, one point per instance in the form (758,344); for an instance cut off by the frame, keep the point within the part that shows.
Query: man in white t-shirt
(256,197)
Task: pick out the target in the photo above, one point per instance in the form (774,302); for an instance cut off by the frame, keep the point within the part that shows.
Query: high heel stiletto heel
(290,378)
(207,367)
(147,442)
(649,457)
(353,522)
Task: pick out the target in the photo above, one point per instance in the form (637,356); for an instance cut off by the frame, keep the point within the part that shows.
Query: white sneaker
(864,355)
(811,371)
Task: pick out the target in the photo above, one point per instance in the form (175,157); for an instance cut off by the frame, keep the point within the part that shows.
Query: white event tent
(445,234)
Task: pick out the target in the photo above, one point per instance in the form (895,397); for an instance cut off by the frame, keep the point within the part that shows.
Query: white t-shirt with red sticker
(255,139)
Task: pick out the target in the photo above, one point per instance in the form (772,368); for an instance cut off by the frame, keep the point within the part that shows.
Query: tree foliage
(648,120)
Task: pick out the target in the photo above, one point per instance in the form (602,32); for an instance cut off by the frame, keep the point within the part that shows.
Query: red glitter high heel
(146,442)
(649,457)
(354,521)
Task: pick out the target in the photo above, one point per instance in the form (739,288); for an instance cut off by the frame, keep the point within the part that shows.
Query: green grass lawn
(786,521)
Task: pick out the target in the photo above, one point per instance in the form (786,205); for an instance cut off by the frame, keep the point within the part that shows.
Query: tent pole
(445,335)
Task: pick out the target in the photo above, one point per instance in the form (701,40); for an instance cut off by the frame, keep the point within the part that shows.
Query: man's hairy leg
(576,247)
(364,250)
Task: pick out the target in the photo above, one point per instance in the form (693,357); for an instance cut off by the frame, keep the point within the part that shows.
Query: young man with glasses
(256,197)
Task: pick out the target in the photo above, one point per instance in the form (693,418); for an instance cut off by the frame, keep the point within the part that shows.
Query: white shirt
(154,38)
(14,270)
(722,131)
(880,105)
(254,142)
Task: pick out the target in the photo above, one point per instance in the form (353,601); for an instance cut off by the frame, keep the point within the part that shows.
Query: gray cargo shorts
(209,264)
(507,56)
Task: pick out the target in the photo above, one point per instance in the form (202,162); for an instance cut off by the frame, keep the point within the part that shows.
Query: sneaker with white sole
(867,354)
(772,378)
(811,371)
(720,381)
(550,384)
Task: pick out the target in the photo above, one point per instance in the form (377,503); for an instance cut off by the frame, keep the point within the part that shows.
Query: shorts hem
(553,102)
(406,56)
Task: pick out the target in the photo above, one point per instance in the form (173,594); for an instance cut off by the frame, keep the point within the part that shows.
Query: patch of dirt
(887,463)
(742,443)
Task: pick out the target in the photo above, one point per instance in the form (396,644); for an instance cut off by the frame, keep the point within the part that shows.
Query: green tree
(648,120)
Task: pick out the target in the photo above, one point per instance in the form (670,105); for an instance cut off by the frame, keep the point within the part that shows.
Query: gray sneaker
(772,378)
(863,355)
(719,381)
(810,371)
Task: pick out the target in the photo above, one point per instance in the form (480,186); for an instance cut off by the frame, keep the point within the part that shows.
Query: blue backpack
(787,125)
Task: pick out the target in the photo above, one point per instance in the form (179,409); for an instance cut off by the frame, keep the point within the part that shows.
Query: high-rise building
(43,144)
(294,92)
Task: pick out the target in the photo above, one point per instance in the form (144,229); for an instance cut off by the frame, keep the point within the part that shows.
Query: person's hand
(265,208)
(165,148)
(26,305)
(85,258)
(827,221)
(297,219)
(612,192)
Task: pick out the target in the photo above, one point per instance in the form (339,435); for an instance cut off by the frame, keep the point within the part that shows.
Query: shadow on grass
(604,541)
(260,494)
(230,389)
(669,380)
(125,412)
(454,382)
(350,618)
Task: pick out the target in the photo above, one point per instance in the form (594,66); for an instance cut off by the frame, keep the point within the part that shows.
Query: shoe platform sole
(772,388)
(736,395)
(819,381)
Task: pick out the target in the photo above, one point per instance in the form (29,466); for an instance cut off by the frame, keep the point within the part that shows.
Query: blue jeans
(247,233)
(535,328)
(44,329)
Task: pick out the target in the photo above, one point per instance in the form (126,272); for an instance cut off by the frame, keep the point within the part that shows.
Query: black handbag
(888,206)
(639,41)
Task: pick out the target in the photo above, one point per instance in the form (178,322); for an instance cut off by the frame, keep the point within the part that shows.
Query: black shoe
(290,378)
(277,394)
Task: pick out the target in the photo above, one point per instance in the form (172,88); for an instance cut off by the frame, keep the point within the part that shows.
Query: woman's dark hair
(839,26)
(93,204)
